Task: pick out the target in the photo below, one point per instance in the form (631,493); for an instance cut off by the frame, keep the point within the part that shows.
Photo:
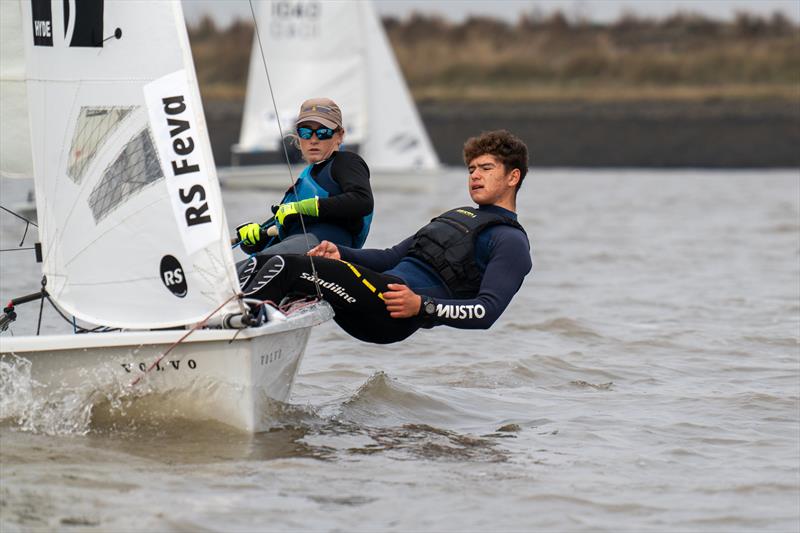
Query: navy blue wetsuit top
(502,252)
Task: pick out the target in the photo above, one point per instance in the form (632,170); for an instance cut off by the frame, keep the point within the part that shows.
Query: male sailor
(460,270)
(332,193)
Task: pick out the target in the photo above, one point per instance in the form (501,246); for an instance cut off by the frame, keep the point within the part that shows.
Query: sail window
(94,126)
(136,167)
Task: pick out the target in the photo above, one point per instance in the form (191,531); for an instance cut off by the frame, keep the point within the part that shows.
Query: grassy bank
(538,59)
(683,57)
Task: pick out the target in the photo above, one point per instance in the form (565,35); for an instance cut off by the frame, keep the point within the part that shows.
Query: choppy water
(647,377)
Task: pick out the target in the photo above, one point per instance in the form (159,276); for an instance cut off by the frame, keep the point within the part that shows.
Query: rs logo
(173,277)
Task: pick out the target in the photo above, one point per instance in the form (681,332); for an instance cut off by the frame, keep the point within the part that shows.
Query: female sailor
(333,193)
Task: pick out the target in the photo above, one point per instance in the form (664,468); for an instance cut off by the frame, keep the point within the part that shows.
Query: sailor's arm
(325,249)
(477,313)
(352,174)
(377,260)
(401,302)
(509,264)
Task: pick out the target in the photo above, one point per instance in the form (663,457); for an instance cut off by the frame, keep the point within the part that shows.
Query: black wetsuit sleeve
(350,171)
(377,260)
(509,263)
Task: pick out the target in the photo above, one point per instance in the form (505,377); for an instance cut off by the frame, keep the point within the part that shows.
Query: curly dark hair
(503,145)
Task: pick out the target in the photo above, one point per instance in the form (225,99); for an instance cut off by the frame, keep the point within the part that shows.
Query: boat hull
(213,374)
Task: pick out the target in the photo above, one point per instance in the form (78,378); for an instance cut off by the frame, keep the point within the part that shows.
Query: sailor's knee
(245,270)
(264,276)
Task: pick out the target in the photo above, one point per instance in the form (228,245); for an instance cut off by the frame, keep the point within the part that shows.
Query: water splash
(32,407)
(102,399)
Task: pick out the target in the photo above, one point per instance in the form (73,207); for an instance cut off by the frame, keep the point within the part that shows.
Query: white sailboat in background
(338,50)
(100,105)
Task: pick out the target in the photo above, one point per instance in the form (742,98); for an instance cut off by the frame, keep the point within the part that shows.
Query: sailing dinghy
(100,105)
(338,50)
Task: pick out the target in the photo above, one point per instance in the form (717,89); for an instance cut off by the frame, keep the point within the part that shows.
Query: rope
(28,224)
(73,322)
(18,216)
(176,343)
(280,131)
(294,306)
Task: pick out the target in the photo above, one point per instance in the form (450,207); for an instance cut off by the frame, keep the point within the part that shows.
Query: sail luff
(15,143)
(225,252)
(397,137)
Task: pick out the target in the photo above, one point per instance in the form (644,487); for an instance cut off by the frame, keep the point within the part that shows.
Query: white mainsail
(15,137)
(336,50)
(130,213)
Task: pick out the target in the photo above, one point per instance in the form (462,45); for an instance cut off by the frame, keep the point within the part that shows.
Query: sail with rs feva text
(101,107)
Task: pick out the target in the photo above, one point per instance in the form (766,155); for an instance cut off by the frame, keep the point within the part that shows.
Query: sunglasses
(323,134)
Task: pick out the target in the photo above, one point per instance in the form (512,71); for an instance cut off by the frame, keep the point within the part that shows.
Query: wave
(485,374)
(382,400)
(594,386)
(567,327)
(789,342)
(557,369)
(382,416)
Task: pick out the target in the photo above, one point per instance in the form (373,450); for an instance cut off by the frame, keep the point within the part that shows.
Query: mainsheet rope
(194,328)
(285,150)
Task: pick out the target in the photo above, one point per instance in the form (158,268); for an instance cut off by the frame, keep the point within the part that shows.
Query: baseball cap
(322,110)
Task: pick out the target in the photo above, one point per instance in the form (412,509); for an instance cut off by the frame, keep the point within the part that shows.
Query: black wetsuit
(340,215)
(354,285)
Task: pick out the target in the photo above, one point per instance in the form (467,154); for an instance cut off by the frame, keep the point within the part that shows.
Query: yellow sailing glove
(286,212)
(249,233)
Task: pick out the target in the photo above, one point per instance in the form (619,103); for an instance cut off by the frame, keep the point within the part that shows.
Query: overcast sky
(224,11)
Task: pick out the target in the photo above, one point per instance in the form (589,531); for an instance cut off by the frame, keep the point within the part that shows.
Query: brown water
(647,377)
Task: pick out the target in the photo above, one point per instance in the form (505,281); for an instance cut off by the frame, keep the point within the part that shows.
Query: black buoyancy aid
(447,244)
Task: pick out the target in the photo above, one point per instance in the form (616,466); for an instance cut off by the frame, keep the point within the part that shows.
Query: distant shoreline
(661,134)
(684,90)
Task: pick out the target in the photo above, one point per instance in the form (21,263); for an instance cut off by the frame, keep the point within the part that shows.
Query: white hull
(213,374)
(276,178)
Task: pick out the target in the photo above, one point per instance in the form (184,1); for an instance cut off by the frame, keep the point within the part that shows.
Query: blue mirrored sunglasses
(323,134)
